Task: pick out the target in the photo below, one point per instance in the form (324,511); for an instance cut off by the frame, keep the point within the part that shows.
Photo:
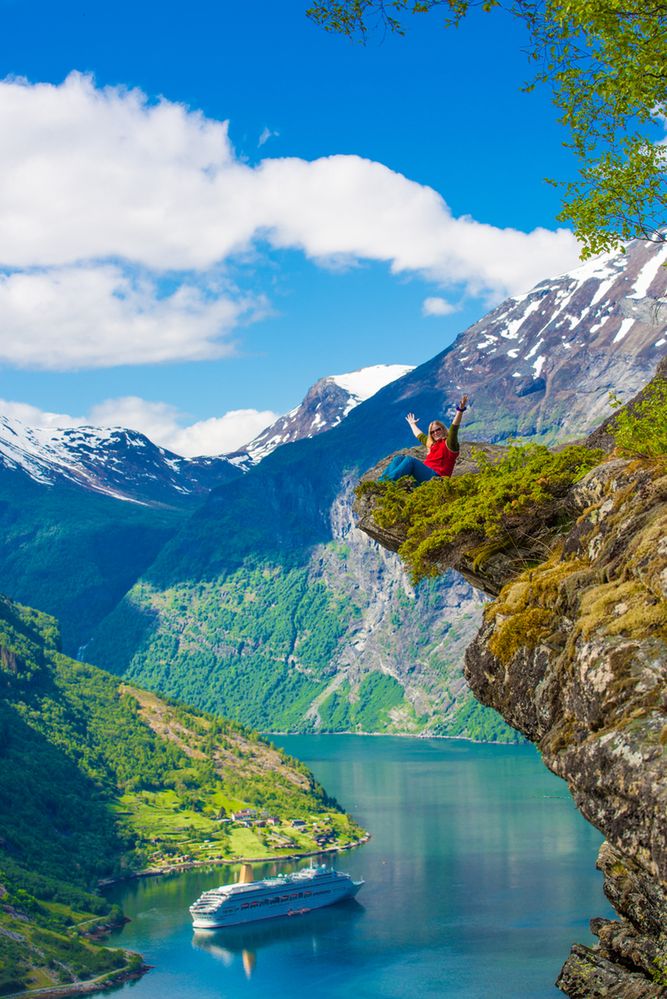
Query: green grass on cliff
(640,430)
(482,504)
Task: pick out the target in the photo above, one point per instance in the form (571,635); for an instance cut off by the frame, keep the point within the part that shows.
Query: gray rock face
(600,328)
(573,653)
(587,975)
(629,959)
(406,636)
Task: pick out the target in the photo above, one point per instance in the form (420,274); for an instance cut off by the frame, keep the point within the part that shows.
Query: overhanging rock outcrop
(573,653)
(462,555)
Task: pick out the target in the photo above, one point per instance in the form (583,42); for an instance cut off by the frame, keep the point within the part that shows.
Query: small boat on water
(286,895)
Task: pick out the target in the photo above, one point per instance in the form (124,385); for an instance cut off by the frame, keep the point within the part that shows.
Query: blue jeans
(405,464)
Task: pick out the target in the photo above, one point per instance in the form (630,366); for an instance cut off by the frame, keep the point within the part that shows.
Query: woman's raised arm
(412,420)
(453,435)
(460,410)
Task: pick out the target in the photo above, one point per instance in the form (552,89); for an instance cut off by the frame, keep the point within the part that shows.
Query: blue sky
(136,291)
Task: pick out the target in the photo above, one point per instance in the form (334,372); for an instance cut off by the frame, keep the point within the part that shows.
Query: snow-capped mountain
(120,463)
(540,363)
(326,403)
(545,362)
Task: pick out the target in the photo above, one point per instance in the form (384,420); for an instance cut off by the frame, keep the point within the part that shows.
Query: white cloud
(97,316)
(162,423)
(221,434)
(345,205)
(32,416)
(267,134)
(91,175)
(438,307)
(159,421)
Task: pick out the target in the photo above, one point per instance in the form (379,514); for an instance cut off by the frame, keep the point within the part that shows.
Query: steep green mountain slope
(97,780)
(72,552)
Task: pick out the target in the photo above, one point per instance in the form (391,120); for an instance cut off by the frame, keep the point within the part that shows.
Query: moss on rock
(621,608)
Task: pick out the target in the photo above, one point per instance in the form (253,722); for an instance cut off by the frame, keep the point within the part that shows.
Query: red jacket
(441,459)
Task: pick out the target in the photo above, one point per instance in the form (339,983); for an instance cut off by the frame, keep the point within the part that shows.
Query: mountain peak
(545,361)
(325,404)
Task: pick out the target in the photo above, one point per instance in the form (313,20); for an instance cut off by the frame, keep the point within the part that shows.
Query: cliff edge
(573,653)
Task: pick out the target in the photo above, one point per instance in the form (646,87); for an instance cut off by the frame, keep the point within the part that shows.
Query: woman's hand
(412,420)
(463,403)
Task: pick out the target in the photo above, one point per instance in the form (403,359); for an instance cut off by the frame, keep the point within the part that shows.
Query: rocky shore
(112,980)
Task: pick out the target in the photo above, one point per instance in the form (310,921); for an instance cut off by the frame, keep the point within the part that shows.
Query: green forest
(225,647)
(74,553)
(258,645)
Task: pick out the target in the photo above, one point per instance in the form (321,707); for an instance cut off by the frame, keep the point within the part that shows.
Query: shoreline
(401,735)
(110,980)
(155,872)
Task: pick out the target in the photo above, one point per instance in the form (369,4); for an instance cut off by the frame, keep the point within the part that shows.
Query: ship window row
(278,899)
(263,899)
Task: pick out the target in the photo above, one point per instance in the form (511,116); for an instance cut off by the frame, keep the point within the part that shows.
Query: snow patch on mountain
(366,382)
(626,326)
(43,452)
(648,274)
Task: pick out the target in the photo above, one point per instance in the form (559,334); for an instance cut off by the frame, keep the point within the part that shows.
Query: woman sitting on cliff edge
(442,450)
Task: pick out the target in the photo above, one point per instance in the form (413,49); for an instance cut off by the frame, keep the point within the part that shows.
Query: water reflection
(307,931)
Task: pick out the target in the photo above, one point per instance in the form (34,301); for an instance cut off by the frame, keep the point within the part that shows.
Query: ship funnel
(245,877)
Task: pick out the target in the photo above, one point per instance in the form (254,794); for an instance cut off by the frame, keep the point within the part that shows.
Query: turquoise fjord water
(480,874)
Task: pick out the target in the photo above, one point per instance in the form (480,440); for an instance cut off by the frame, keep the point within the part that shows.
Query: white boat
(287,895)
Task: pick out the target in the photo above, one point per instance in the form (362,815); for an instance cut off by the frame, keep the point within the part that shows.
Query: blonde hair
(429,439)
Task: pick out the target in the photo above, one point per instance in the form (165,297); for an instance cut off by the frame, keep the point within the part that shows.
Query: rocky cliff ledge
(573,653)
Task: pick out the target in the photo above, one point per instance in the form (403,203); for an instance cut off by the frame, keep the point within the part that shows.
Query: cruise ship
(288,895)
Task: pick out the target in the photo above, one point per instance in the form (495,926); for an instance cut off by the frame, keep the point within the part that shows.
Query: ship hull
(289,903)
